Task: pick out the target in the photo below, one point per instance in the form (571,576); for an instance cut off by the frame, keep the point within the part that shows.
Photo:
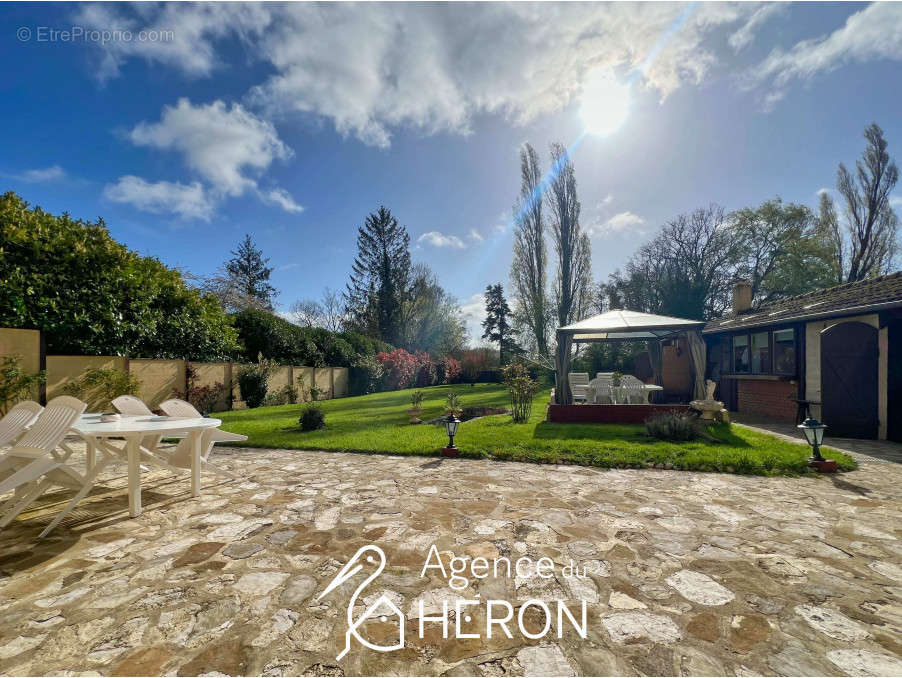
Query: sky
(186,126)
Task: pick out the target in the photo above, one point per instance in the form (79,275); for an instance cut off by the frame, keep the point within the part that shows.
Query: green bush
(98,387)
(365,376)
(253,381)
(91,295)
(522,389)
(672,426)
(16,385)
(312,418)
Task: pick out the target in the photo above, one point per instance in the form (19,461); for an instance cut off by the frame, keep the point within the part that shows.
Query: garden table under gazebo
(624,325)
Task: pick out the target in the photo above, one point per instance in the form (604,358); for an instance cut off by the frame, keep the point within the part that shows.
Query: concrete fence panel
(279,379)
(323,377)
(160,379)
(61,369)
(340,376)
(307,373)
(210,374)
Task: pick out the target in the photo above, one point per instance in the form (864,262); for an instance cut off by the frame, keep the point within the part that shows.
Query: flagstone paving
(688,573)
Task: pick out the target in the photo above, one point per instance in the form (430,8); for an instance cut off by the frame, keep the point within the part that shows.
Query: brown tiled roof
(851,298)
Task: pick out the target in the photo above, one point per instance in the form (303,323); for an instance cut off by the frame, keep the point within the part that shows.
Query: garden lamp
(451,424)
(814,434)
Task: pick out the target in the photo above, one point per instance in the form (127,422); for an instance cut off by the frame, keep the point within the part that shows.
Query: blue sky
(294,122)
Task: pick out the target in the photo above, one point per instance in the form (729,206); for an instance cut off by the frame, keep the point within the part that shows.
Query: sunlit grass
(379,423)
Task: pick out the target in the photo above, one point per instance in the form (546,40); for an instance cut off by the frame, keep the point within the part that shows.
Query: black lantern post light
(451,424)
(814,434)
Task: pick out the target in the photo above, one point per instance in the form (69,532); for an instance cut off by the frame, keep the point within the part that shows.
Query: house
(839,350)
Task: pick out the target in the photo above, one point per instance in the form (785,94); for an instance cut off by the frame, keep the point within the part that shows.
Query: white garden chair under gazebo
(623,325)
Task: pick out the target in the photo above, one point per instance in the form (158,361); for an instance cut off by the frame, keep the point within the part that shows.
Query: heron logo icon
(367,557)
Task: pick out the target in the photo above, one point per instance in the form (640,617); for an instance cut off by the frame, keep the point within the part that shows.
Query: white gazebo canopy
(623,325)
(628,325)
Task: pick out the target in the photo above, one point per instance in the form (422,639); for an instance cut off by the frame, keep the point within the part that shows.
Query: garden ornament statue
(708,407)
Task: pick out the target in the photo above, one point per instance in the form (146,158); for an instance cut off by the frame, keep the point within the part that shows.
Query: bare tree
(528,269)
(872,225)
(686,271)
(573,284)
(333,310)
(307,313)
(228,291)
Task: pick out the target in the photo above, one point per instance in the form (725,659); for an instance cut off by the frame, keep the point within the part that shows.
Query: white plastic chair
(633,389)
(17,420)
(130,405)
(181,456)
(603,384)
(34,464)
(579,385)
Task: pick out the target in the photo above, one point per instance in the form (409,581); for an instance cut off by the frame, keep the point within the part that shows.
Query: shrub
(453,404)
(426,374)
(91,295)
(416,399)
(522,388)
(474,362)
(312,418)
(205,398)
(98,387)
(253,381)
(16,385)
(400,368)
(447,370)
(672,426)
(365,375)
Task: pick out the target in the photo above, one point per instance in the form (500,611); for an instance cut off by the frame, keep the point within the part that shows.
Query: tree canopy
(248,273)
(380,277)
(91,295)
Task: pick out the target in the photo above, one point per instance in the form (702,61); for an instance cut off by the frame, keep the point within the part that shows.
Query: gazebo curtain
(697,358)
(562,395)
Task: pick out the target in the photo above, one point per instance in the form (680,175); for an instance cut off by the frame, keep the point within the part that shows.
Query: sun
(605,103)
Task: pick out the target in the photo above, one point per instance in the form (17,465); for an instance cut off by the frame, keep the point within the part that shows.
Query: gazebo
(624,325)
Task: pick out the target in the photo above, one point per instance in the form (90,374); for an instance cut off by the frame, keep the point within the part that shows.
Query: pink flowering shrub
(400,368)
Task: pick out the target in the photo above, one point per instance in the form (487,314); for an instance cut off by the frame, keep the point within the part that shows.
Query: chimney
(742,296)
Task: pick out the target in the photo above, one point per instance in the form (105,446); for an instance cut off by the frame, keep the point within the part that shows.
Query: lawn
(378,423)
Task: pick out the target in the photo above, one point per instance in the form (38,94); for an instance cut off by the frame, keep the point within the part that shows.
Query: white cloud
(372,68)
(281,198)
(439,239)
(186,33)
(162,197)
(895,202)
(745,36)
(473,313)
(873,33)
(621,222)
(475,235)
(822,191)
(221,143)
(35,176)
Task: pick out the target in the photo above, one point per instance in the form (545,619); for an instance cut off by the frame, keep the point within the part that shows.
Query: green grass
(378,423)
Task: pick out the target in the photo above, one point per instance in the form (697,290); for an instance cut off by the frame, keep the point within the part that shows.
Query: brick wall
(767,398)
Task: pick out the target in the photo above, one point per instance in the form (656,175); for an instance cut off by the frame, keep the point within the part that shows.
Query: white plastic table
(97,433)
(620,391)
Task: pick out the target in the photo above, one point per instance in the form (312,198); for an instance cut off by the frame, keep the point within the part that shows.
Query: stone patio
(690,573)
